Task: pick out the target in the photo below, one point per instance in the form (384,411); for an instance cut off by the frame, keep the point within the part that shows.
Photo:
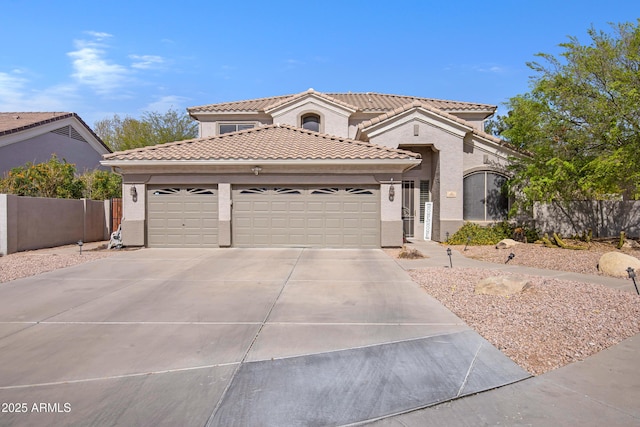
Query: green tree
(580,122)
(101,185)
(54,178)
(153,128)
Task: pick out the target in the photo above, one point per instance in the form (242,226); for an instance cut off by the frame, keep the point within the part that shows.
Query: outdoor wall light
(392,192)
(134,193)
(632,275)
(256,170)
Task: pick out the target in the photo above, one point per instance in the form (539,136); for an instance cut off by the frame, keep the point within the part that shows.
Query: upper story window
(234,127)
(311,122)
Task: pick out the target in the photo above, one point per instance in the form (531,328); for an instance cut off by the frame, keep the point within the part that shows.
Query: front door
(408,208)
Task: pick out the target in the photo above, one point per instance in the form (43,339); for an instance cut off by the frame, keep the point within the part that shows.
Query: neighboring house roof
(365,102)
(15,122)
(272,142)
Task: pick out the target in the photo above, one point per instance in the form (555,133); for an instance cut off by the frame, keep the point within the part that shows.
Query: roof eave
(243,162)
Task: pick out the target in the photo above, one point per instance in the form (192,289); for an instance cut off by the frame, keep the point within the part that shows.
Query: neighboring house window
(311,122)
(234,127)
(484,197)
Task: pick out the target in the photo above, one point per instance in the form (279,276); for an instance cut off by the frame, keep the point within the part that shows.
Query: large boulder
(506,244)
(501,285)
(616,264)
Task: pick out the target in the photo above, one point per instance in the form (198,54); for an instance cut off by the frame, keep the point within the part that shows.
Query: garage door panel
(306,216)
(182,217)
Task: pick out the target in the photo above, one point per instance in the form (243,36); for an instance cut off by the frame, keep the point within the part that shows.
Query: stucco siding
(39,149)
(333,121)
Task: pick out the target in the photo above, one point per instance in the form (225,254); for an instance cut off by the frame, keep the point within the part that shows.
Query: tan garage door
(306,216)
(182,217)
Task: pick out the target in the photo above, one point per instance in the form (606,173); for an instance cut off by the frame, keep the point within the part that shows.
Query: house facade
(35,137)
(316,169)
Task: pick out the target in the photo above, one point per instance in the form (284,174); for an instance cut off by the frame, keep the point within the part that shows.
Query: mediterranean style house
(35,137)
(316,169)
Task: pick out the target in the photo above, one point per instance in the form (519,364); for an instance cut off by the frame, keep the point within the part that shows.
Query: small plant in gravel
(410,253)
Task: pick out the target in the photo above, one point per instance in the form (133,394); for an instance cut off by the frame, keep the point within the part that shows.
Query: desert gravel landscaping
(539,256)
(30,263)
(552,323)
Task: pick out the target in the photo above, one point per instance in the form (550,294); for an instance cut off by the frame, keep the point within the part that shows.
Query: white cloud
(143,62)
(490,69)
(98,35)
(14,95)
(93,69)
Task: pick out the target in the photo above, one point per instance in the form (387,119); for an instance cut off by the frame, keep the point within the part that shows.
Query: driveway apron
(223,337)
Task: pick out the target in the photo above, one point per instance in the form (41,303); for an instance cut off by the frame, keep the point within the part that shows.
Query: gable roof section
(365,102)
(313,94)
(362,127)
(273,142)
(11,123)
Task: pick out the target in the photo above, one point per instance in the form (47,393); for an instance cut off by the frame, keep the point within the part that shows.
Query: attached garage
(182,217)
(317,216)
(269,186)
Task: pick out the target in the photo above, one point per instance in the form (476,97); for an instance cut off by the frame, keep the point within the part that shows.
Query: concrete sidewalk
(604,389)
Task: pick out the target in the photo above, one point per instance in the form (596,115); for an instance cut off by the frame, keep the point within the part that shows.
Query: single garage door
(182,217)
(346,216)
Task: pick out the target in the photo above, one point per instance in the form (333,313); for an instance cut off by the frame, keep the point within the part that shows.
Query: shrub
(475,234)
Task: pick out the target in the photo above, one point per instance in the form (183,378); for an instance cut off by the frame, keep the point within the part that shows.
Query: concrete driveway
(233,337)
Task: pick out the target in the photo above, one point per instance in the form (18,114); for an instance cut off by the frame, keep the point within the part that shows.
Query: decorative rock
(506,244)
(501,285)
(616,264)
(631,244)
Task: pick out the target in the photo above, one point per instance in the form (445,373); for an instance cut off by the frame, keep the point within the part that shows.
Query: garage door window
(360,191)
(286,191)
(324,191)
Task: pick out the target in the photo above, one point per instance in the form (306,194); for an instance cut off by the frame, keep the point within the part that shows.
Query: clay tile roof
(407,107)
(273,142)
(365,102)
(311,91)
(17,122)
(21,121)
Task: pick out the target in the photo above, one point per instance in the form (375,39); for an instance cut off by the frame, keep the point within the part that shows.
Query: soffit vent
(70,132)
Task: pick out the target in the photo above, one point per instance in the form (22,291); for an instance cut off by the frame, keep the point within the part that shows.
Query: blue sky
(98,58)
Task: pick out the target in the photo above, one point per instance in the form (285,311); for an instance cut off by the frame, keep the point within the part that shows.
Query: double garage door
(306,216)
(269,216)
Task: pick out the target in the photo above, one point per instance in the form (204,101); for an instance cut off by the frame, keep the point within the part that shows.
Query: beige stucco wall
(133,212)
(333,120)
(480,155)
(28,223)
(443,165)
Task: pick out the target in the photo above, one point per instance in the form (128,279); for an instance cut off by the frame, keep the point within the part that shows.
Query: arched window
(485,197)
(311,122)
